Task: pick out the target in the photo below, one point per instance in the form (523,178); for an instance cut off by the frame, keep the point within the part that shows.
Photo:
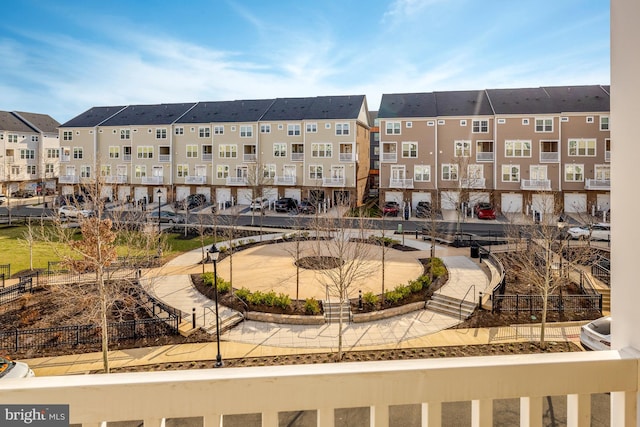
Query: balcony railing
(297,157)
(207,156)
(379,387)
(152,180)
(250,158)
(285,180)
(195,179)
(473,183)
(389,157)
(126,158)
(607,156)
(164,158)
(333,182)
(237,180)
(115,179)
(68,179)
(65,159)
(484,156)
(549,157)
(535,184)
(347,157)
(401,183)
(597,184)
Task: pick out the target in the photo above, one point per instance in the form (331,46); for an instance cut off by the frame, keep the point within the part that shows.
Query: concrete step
(450,306)
(225,325)
(332,311)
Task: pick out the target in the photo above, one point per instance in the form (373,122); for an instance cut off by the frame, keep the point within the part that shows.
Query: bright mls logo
(34,415)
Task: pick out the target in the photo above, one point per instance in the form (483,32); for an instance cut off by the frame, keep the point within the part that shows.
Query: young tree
(29,239)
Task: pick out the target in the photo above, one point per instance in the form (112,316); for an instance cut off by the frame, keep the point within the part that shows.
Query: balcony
(249,158)
(66,159)
(164,158)
(334,182)
(152,180)
(297,157)
(126,158)
(195,179)
(284,180)
(237,180)
(473,183)
(378,387)
(68,179)
(535,184)
(484,156)
(347,157)
(207,156)
(598,184)
(401,183)
(607,156)
(115,179)
(549,157)
(389,157)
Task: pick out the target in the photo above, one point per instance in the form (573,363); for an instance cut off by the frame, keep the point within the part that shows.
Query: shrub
(311,306)
(419,284)
(243,294)
(392,297)
(223,286)
(283,301)
(369,298)
(437,267)
(207,278)
(403,291)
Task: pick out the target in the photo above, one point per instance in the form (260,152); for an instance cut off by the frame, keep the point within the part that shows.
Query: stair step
(332,311)
(226,324)
(451,306)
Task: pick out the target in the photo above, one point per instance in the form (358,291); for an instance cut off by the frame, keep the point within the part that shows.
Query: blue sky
(62,57)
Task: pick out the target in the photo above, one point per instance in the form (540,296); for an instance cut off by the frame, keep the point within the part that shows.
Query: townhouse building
(229,151)
(545,149)
(29,152)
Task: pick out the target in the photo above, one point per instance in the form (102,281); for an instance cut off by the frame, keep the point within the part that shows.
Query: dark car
(306,207)
(484,210)
(391,208)
(423,209)
(192,201)
(165,216)
(286,204)
(23,194)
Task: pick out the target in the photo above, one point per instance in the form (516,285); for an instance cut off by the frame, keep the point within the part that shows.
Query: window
(67,135)
(393,128)
(27,154)
(321,150)
(525,122)
(293,130)
(602,172)
(342,128)
(409,125)
(544,125)
(410,149)
(77,153)
(279,149)
(502,121)
(269,171)
(265,128)
(85,171)
(422,173)
(462,148)
(246,131)
(34,138)
(449,172)
(125,134)
(538,172)
(312,127)
(517,148)
(222,171)
(480,126)
(145,152)
(590,119)
(315,172)
(463,123)
(183,170)
(15,170)
(441,122)
(48,168)
(582,147)
(114,152)
(604,122)
(31,169)
(564,119)
(53,153)
(204,132)
(574,173)
(179,130)
(218,130)
(510,173)
(105,170)
(228,151)
(161,134)
(192,151)
(431,123)
(140,171)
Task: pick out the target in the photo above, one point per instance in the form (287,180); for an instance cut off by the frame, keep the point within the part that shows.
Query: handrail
(464,298)
(204,314)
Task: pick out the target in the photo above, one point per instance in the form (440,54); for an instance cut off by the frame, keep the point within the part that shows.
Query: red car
(484,211)
(391,208)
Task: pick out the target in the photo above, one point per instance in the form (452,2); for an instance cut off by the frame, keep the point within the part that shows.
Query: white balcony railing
(207,156)
(346,157)
(250,157)
(535,184)
(473,183)
(597,184)
(115,179)
(68,179)
(126,158)
(152,180)
(425,384)
(164,158)
(297,157)
(237,180)
(65,159)
(549,157)
(401,183)
(285,180)
(607,156)
(484,156)
(333,182)
(195,179)
(389,157)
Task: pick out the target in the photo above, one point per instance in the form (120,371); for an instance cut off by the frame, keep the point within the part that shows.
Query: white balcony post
(153,422)
(270,418)
(531,411)
(326,417)
(379,416)
(578,410)
(212,420)
(482,413)
(431,414)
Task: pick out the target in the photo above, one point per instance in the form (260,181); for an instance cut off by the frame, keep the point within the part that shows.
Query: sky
(63,57)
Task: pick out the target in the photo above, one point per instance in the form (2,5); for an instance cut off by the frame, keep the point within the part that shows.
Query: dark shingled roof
(521,101)
(463,103)
(92,117)
(579,98)
(156,114)
(10,122)
(321,107)
(227,111)
(397,105)
(42,122)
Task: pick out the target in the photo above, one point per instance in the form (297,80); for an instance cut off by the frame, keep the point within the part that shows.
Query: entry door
(157,171)
(289,171)
(538,173)
(398,172)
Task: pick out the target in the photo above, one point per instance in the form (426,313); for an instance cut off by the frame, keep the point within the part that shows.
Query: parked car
(259,204)
(600,231)
(286,204)
(23,194)
(596,335)
(70,211)
(12,369)
(3,198)
(423,209)
(192,201)
(484,210)
(70,199)
(306,207)
(391,208)
(166,217)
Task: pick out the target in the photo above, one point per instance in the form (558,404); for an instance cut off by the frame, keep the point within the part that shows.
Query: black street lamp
(159,193)
(213,254)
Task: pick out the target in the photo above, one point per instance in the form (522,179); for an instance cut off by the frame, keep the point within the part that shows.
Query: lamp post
(159,194)
(213,254)
(561,225)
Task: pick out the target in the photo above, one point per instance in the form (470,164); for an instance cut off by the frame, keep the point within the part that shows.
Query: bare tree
(29,239)
(259,176)
(297,249)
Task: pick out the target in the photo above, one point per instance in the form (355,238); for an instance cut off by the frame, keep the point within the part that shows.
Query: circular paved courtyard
(272,267)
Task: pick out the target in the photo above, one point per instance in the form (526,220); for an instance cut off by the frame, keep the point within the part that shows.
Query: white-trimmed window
(582,147)
(392,128)
(279,149)
(590,119)
(544,125)
(480,126)
(105,170)
(269,171)
(510,173)
(28,154)
(183,171)
(12,137)
(422,173)
(525,122)
(78,153)
(462,148)
(85,171)
(410,149)
(342,128)
(125,134)
(34,138)
(179,130)
(222,171)
(246,131)
(293,129)
(463,123)
(475,173)
(192,151)
(321,149)
(53,153)
(114,152)
(265,128)
(449,172)
(161,133)
(315,171)
(145,152)
(218,130)
(15,170)
(602,172)
(312,127)
(31,169)
(574,173)
(228,151)
(48,168)
(140,171)
(67,135)
(517,148)
(538,172)
(204,132)
(409,125)
(604,122)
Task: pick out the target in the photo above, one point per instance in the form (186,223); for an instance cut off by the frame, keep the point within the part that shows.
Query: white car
(600,231)
(11,369)
(69,211)
(596,335)
(260,203)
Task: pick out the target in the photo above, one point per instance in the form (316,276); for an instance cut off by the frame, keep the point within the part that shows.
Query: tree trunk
(103,320)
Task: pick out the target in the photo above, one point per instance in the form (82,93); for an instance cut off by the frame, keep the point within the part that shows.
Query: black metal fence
(534,303)
(14,292)
(5,270)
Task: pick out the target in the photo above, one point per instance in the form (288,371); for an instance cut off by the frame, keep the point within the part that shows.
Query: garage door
(603,202)
(419,197)
(293,193)
(270,193)
(244,196)
(449,199)
(163,194)
(66,189)
(511,202)
(393,196)
(106,192)
(124,192)
(575,202)
(542,203)
(140,193)
(223,195)
(205,191)
(476,197)
(182,192)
